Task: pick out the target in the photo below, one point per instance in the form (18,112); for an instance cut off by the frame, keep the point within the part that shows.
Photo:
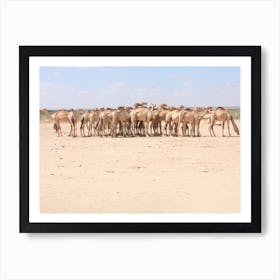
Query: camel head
(79,111)
(208,109)
(197,109)
(136,105)
(128,108)
(163,106)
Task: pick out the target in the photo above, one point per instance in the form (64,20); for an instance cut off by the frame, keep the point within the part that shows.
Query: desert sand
(139,175)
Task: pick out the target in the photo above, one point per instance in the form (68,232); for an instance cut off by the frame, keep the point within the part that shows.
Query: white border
(245,140)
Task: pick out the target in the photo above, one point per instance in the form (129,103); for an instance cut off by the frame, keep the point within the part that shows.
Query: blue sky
(90,87)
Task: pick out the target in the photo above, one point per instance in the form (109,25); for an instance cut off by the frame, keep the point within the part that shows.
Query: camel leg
(88,128)
(228,128)
(70,133)
(184,129)
(223,128)
(198,132)
(176,129)
(114,130)
(165,128)
(170,128)
(147,129)
(132,128)
(124,126)
(187,130)
(212,133)
(74,130)
(81,130)
(193,129)
(151,128)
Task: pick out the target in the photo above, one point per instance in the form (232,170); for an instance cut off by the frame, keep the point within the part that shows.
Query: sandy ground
(139,175)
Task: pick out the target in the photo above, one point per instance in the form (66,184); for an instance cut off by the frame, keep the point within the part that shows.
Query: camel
(199,114)
(120,116)
(93,120)
(71,117)
(193,118)
(223,115)
(186,118)
(74,116)
(140,114)
(104,124)
(163,110)
(85,121)
(172,120)
(58,117)
(155,122)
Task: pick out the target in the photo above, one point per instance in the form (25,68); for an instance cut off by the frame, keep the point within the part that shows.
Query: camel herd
(141,120)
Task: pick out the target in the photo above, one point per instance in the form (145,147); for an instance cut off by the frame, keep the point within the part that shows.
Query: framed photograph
(140,138)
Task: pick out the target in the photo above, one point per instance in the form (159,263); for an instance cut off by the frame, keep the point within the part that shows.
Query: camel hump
(222,108)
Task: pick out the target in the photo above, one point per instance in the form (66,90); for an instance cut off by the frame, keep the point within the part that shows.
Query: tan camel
(93,120)
(85,122)
(74,116)
(58,117)
(155,122)
(172,120)
(223,115)
(104,125)
(163,110)
(199,114)
(71,116)
(193,118)
(186,118)
(138,115)
(62,116)
(120,117)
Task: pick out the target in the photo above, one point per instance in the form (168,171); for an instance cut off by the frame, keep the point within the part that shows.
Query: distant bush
(235,113)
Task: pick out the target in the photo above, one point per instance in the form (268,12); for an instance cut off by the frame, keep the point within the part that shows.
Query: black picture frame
(25,52)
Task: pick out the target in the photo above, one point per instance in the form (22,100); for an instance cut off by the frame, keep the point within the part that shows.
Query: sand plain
(139,174)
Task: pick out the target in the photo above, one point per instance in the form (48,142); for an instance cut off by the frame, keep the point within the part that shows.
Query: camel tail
(234,126)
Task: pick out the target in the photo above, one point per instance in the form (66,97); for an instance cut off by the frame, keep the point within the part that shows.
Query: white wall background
(139,256)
